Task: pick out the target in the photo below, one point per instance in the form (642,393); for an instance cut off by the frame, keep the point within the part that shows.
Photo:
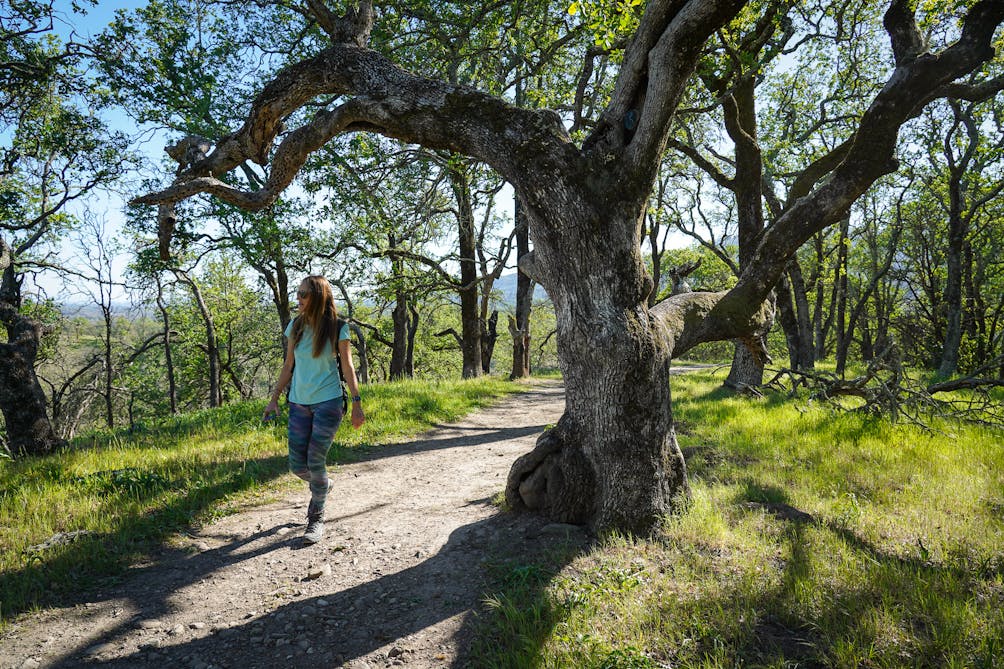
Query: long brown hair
(320,314)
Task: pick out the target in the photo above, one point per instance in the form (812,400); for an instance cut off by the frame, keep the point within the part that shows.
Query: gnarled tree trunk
(22,401)
(612,460)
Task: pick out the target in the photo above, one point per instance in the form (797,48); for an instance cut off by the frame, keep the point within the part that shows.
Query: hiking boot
(315,519)
(315,530)
(314,509)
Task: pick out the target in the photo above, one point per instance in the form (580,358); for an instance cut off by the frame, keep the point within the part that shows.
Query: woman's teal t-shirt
(314,379)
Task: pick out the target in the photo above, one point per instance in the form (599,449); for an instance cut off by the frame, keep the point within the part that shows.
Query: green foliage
(169,61)
(47,313)
(609,21)
(124,493)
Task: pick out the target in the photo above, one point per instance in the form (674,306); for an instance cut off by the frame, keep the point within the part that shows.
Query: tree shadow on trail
(344,624)
(68,574)
(342,455)
(450,435)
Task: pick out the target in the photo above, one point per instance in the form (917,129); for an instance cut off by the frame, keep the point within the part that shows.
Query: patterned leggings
(312,428)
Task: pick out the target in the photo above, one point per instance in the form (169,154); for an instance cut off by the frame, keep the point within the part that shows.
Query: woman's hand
(357,415)
(271,411)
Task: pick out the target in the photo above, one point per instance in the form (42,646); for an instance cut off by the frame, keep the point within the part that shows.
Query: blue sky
(108,206)
(96,18)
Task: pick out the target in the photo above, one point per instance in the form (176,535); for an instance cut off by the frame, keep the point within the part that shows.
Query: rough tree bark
(740,123)
(412,332)
(612,461)
(489,335)
(400,317)
(806,359)
(399,352)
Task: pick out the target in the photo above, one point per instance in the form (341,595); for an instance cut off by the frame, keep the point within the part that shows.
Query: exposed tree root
(554,479)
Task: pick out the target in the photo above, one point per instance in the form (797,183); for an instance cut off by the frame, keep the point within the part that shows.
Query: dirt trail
(396,580)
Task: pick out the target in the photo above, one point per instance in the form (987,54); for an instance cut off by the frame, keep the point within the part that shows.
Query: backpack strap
(339,324)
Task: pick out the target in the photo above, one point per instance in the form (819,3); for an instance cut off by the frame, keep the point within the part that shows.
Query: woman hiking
(317,339)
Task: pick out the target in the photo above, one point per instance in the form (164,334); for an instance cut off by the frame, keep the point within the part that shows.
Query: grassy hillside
(117,495)
(813,539)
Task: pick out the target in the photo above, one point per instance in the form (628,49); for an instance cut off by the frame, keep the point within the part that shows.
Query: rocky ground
(397,580)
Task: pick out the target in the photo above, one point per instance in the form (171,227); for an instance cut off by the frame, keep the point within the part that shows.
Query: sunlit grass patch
(813,538)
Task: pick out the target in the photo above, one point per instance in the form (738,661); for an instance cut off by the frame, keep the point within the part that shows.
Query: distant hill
(506,284)
(92,312)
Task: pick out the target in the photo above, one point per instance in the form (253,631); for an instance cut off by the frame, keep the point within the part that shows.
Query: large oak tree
(612,460)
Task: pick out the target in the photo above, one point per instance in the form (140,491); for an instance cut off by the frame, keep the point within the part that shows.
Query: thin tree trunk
(958,230)
(281,294)
(212,346)
(840,318)
(953,296)
(470,323)
(977,305)
(867,345)
(399,317)
(412,332)
(789,322)
(818,336)
(363,363)
(172,384)
(879,269)
(106,312)
(489,335)
(806,351)
(519,323)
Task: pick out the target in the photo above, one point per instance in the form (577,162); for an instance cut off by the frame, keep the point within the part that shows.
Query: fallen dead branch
(886,389)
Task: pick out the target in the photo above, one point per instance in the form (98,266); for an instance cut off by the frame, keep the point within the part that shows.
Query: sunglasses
(302,293)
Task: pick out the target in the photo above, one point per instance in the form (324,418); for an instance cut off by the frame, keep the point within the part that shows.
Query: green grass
(127,493)
(814,539)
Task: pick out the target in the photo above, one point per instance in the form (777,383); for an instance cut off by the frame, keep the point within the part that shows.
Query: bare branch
(451,331)
(353,28)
